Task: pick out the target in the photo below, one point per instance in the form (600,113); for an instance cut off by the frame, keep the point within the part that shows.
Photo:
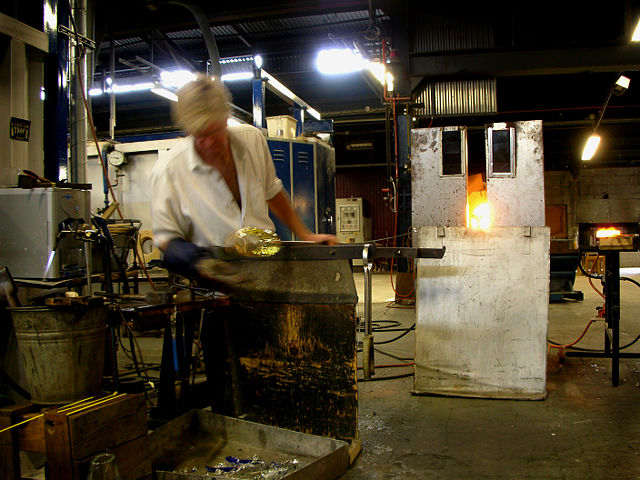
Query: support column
(259,119)
(56,84)
(78,121)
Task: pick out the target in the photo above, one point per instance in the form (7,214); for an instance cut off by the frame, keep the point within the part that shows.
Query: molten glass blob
(253,242)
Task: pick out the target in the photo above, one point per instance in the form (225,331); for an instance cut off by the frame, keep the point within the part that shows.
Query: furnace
(481,310)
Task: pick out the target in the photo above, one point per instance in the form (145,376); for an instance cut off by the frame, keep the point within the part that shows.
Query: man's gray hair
(200,103)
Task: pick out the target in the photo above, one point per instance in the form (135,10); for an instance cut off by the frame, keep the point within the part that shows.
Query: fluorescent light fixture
(257,60)
(591,147)
(636,33)
(163,92)
(133,87)
(176,78)
(232,77)
(313,112)
(336,61)
(284,91)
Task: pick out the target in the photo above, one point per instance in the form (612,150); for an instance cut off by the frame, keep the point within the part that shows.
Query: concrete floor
(584,429)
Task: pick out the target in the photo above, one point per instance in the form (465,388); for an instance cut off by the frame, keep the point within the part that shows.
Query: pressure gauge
(117,158)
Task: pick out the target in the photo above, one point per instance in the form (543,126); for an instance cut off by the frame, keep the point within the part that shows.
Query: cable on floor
(413,327)
(392,377)
(402,359)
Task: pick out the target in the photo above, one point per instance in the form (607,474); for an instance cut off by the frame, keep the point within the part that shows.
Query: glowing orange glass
(608,232)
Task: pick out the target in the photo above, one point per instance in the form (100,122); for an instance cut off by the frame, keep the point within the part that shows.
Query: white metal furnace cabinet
(481,313)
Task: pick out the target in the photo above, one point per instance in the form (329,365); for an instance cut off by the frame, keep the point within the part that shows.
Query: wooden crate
(72,438)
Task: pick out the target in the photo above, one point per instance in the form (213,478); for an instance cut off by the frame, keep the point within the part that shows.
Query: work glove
(188,259)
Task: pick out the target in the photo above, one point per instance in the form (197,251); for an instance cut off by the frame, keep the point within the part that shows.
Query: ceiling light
(176,78)
(133,87)
(590,147)
(258,61)
(636,33)
(336,61)
(94,92)
(163,92)
(232,77)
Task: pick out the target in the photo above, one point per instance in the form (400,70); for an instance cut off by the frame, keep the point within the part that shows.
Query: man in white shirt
(214,182)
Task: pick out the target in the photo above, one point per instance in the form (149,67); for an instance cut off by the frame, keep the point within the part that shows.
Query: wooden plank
(9,449)
(31,435)
(106,425)
(56,433)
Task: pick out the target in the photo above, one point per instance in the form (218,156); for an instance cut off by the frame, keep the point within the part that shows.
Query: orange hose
(577,340)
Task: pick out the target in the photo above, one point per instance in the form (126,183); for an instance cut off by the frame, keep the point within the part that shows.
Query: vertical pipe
(78,115)
(112,97)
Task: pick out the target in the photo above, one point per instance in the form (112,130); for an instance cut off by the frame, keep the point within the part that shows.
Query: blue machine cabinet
(307,171)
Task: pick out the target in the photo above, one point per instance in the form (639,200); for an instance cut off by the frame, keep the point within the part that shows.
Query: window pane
(451,153)
(501,151)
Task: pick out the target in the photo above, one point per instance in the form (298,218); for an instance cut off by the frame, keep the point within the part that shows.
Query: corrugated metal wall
(368,182)
(458,97)
(434,32)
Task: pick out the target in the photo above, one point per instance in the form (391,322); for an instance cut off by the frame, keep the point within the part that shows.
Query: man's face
(213,140)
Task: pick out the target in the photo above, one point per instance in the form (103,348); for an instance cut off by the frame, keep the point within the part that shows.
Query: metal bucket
(62,351)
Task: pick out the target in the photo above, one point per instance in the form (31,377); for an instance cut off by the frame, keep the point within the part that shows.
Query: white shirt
(191,200)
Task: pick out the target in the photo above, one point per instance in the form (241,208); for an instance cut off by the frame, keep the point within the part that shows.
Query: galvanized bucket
(62,351)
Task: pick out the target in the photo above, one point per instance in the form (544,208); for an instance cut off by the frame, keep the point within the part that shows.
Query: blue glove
(181,257)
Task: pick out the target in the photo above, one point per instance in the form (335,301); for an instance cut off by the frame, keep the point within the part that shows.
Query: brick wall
(617,187)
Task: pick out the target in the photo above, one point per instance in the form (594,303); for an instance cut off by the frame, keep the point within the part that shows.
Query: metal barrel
(62,351)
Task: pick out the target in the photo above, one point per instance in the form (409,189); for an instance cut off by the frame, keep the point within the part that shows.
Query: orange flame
(608,232)
(478,211)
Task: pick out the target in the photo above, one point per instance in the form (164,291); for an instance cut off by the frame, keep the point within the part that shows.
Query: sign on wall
(19,129)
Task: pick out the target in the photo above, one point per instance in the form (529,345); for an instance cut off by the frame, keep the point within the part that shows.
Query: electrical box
(30,220)
(354,222)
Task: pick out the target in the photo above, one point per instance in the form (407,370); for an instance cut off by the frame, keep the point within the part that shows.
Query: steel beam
(536,62)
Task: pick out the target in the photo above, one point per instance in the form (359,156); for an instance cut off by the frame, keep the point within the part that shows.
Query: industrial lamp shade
(621,85)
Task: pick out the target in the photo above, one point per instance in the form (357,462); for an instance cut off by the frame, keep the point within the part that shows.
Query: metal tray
(201,438)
